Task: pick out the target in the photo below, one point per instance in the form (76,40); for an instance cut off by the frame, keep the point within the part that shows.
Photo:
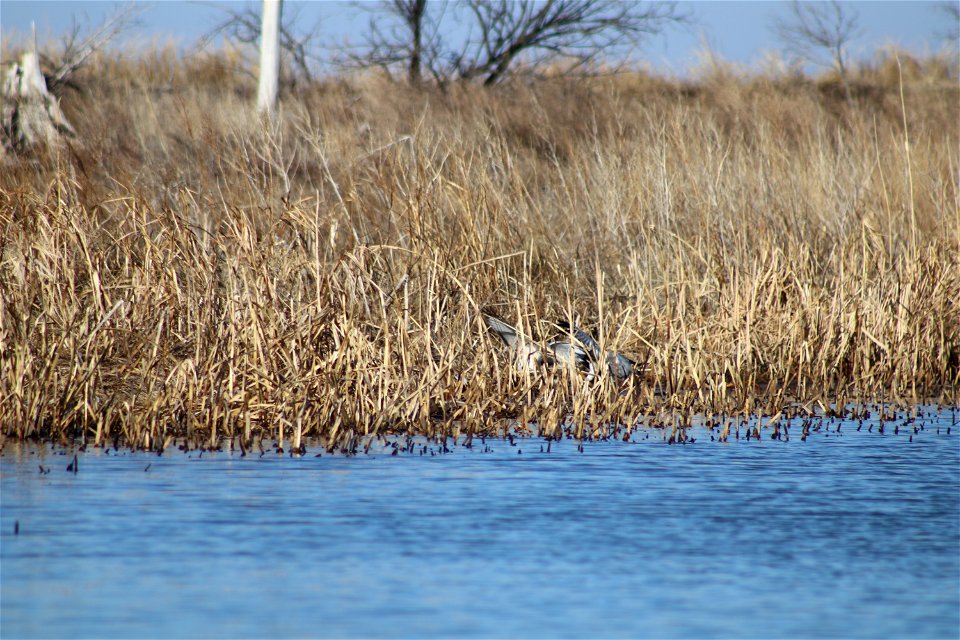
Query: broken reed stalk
(745,241)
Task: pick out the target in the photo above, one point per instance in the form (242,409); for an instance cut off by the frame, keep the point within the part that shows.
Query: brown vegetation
(757,245)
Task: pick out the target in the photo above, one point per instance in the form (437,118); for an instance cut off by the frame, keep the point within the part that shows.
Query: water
(851,534)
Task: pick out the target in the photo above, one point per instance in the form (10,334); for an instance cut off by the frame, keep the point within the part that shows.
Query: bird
(530,356)
(619,365)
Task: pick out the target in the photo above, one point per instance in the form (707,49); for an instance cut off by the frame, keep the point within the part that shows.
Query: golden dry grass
(762,246)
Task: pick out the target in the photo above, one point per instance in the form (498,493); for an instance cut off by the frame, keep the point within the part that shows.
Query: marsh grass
(761,246)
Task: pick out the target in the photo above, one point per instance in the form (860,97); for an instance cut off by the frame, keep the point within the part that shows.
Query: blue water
(850,534)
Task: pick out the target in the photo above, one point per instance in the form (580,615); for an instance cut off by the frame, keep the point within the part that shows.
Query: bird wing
(619,365)
(592,349)
(506,332)
(571,355)
(587,340)
(527,354)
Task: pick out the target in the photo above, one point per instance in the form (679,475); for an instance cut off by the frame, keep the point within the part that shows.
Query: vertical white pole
(269,57)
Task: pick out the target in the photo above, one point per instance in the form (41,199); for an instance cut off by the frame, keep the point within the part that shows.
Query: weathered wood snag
(31,115)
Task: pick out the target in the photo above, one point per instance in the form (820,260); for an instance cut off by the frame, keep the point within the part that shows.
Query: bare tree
(502,32)
(579,31)
(411,41)
(815,28)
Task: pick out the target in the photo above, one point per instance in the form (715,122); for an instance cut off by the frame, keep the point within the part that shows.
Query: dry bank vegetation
(759,246)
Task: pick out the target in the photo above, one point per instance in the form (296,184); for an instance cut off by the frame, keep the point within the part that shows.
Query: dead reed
(759,246)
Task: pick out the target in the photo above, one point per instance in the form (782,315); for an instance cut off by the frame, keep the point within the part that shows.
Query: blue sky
(738,32)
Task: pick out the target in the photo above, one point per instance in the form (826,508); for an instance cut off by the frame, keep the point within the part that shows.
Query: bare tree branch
(577,30)
(79,46)
(951,10)
(244,26)
(403,33)
(817,27)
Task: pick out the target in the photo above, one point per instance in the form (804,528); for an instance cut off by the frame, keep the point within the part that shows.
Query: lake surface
(848,534)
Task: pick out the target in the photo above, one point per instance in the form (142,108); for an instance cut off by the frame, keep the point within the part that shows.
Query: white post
(269,57)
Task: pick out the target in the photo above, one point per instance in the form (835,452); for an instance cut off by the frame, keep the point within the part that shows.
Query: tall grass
(759,245)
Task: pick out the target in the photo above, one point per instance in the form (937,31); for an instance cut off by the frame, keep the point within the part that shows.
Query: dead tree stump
(30,115)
